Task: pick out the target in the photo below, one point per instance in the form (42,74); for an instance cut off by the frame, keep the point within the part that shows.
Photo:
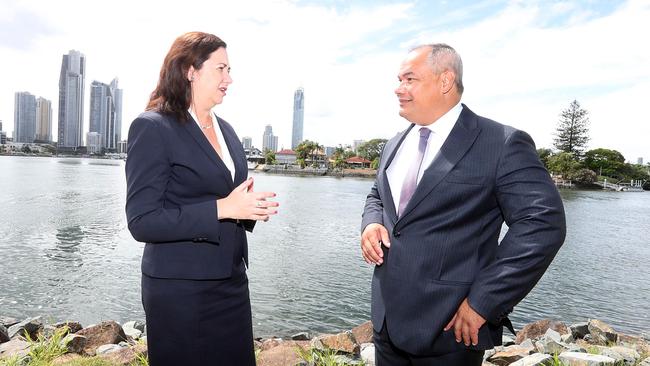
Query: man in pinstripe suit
(443,284)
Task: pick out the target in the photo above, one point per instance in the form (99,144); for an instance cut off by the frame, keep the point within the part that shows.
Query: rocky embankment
(545,342)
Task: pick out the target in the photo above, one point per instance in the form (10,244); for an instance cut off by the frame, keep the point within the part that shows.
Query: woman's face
(210,82)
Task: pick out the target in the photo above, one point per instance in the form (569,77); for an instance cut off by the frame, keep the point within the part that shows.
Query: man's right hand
(372,238)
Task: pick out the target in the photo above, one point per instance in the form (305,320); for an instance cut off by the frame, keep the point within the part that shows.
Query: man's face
(418,91)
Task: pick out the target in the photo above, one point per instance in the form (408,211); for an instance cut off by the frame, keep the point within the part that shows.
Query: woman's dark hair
(173,94)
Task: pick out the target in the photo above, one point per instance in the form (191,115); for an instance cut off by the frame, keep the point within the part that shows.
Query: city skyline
(524,61)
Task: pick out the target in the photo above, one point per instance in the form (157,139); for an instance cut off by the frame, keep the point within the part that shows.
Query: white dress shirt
(408,151)
(226,158)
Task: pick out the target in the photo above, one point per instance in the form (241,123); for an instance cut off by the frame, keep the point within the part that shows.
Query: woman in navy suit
(189,200)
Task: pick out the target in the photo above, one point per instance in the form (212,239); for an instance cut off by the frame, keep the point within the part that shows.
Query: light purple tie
(411,180)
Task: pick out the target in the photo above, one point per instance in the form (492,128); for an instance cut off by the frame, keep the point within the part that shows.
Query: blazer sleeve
(148,169)
(373,210)
(532,208)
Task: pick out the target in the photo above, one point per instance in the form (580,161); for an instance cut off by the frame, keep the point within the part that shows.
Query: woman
(189,200)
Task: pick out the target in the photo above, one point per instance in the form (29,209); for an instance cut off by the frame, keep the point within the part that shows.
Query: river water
(66,253)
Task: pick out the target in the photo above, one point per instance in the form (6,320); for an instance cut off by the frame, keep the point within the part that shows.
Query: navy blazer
(174,178)
(444,247)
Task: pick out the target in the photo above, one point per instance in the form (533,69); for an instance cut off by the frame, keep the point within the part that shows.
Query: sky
(524,61)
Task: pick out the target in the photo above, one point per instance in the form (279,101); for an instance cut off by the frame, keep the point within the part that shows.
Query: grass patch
(43,351)
(315,357)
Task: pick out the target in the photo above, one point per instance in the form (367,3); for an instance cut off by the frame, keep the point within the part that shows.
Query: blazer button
(396,234)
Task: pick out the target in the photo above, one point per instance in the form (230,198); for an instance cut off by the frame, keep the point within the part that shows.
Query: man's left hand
(466,323)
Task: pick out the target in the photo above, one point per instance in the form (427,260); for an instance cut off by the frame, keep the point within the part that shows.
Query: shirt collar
(442,127)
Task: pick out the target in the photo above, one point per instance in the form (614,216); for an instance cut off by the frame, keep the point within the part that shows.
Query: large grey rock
(27,328)
(104,333)
(552,335)
(624,355)
(108,348)
(15,347)
(567,338)
(131,331)
(4,335)
(134,324)
(579,330)
(368,353)
(8,321)
(536,359)
(549,346)
(601,332)
(585,359)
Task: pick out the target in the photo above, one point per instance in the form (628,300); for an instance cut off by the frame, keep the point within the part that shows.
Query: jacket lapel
(236,151)
(459,141)
(193,129)
(391,150)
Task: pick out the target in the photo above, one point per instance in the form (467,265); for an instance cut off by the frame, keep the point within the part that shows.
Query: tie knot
(424,132)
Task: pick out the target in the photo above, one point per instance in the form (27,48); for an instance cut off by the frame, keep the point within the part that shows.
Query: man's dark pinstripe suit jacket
(445,246)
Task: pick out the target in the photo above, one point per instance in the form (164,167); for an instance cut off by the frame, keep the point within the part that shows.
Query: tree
(572,133)
(563,163)
(375,163)
(372,149)
(544,154)
(605,162)
(583,176)
(269,157)
(340,156)
(26,149)
(307,150)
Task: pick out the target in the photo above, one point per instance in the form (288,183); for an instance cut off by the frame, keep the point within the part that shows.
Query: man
(443,284)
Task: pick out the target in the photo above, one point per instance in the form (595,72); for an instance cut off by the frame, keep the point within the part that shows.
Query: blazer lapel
(459,141)
(193,129)
(389,204)
(236,152)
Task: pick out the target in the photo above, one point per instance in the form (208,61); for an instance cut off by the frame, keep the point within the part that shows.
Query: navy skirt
(199,322)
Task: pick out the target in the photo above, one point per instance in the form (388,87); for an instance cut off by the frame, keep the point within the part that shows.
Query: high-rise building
(121,147)
(104,117)
(639,161)
(24,117)
(269,141)
(43,120)
(71,97)
(117,100)
(247,142)
(298,117)
(3,135)
(94,142)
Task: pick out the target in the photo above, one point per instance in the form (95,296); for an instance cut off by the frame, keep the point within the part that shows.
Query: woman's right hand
(244,204)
